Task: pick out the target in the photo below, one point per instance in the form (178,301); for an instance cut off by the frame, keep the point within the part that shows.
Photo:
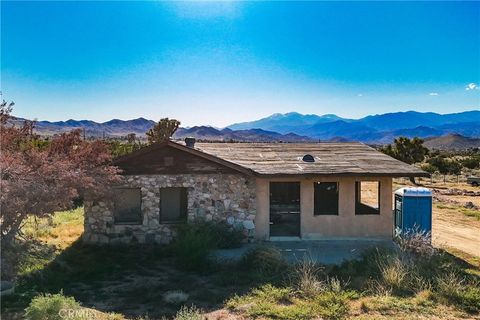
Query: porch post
(262,218)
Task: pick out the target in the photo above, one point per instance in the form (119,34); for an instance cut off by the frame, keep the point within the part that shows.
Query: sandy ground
(455,230)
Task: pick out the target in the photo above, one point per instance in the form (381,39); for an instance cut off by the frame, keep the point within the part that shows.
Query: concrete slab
(321,251)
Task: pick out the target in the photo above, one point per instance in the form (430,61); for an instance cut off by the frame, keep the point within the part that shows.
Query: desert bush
(176,297)
(48,307)
(193,246)
(417,242)
(196,240)
(455,289)
(469,299)
(305,278)
(266,261)
(331,305)
(189,313)
(394,274)
(282,303)
(225,236)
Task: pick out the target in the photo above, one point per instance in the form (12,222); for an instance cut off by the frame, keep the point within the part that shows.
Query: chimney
(190,142)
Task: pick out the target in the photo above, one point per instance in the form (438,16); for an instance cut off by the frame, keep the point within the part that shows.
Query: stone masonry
(210,197)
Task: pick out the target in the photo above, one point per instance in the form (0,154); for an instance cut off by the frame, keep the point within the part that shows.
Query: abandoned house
(272,190)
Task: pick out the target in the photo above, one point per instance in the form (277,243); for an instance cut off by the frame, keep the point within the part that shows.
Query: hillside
(452,142)
(380,128)
(293,126)
(251,135)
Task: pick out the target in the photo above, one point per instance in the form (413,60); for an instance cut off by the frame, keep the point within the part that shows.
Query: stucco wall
(210,196)
(342,226)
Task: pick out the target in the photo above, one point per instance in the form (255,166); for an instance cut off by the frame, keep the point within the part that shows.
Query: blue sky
(224,62)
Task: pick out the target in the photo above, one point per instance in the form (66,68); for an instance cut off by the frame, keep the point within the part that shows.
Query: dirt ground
(452,228)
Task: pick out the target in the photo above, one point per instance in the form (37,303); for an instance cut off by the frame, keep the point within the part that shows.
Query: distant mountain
(380,128)
(284,123)
(251,135)
(112,128)
(452,142)
(413,119)
(293,126)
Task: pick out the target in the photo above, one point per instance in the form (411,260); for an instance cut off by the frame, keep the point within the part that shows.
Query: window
(173,205)
(367,197)
(127,206)
(325,198)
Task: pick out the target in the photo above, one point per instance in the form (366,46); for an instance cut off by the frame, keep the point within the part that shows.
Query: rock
(469,205)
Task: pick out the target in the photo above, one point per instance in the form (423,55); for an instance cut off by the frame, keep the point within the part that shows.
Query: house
(288,191)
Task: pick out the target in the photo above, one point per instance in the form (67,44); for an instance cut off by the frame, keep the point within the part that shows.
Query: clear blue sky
(218,63)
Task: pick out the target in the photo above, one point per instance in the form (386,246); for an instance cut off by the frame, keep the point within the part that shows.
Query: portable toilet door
(398,214)
(413,210)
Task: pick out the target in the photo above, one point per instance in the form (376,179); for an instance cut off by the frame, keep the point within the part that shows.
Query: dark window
(325,198)
(127,205)
(173,205)
(367,197)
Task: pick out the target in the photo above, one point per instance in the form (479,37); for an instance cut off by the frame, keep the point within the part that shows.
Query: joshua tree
(163,130)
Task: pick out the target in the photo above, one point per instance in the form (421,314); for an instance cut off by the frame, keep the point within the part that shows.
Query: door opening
(284,209)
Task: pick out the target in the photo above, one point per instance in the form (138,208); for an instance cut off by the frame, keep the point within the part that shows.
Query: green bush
(273,302)
(456,290)
(48,307)
(193,246)
(266,261)
(196,240)
(225,236)
(469,299)
(332,305)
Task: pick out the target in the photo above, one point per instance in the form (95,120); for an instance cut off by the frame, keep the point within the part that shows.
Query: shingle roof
(278,159)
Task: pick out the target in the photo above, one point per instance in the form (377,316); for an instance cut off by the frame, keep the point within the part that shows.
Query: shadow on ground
(130,280)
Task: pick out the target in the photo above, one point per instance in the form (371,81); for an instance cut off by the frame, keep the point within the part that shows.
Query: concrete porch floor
(321,251)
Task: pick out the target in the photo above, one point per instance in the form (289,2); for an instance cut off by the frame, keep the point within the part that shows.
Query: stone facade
(210,197)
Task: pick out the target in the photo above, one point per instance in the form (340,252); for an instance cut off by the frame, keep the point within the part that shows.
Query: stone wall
(210,197)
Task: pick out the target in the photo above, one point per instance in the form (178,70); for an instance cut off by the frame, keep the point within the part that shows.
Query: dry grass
(60,230)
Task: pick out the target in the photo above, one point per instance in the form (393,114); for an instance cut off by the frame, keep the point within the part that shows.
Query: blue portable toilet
(413,210)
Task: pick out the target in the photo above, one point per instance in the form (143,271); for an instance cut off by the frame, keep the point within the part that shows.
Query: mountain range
(380,128)
(293,126)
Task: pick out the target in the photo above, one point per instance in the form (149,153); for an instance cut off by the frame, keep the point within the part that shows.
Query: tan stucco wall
(342,226)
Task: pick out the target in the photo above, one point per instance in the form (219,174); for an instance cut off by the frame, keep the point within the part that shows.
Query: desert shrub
(266,261)
(331,305)
(189,313)
(270,302)
(196,240)
(469,299)
(175,297)
(273,302)
(193,246)
(305,278)
(417,242)
(48,307)
(455,289)
(225,235)
(394,274)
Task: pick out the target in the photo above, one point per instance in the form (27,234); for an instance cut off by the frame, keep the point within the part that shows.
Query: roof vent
(190,142)
(308,158)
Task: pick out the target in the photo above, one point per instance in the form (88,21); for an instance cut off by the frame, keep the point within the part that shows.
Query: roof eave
(346,174)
